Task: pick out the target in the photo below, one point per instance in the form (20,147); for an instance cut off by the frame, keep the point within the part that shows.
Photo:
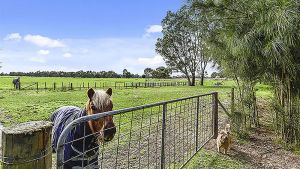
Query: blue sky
(73,35)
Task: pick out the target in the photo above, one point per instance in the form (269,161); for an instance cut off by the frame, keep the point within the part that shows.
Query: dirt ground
(260,151)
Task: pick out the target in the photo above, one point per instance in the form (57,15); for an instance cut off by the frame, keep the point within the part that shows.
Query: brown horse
(100,101)
(85,137)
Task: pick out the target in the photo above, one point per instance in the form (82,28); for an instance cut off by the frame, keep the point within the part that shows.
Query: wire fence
(68,86)
(161,135)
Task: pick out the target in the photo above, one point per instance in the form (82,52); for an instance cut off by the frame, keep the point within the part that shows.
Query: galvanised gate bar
(160,135)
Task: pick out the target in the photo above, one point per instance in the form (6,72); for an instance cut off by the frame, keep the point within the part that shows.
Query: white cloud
(43,52)
(13,37)
(43,41)
(37,59)
(152,62)
(154,29)
(67,55)
(151,30)
(86,54)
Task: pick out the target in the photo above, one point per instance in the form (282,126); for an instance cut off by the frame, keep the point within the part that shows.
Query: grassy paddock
(22,106)
(6,81)
(28,105)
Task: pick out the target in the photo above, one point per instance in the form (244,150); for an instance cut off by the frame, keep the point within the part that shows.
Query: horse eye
(93,107)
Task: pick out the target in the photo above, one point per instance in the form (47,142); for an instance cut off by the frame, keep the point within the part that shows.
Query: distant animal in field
(224,139)
(85,138)
(17,83)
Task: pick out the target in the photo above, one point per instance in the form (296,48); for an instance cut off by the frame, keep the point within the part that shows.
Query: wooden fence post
(37,86)
(71,86)
(45,85)
(27,146)
(215,114)
(88,85)
(54,86)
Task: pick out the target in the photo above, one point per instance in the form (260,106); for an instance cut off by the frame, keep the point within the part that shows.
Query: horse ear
(109,91)
(91,93)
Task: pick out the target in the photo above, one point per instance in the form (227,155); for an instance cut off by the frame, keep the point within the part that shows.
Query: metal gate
(161,135)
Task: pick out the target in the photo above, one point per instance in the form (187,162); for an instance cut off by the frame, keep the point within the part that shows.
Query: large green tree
(259,40)
(181,45)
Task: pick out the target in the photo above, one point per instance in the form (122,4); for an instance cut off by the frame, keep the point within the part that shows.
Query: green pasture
(17,106)
(26,105)
(6,81)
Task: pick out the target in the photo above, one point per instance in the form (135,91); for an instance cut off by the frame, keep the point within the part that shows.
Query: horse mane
(100,99)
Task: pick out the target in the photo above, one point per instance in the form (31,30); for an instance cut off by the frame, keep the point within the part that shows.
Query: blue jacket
(73,156)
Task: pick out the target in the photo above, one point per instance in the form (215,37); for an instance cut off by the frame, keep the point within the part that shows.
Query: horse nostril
(109,131)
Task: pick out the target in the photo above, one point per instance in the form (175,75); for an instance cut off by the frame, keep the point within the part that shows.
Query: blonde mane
(101,99)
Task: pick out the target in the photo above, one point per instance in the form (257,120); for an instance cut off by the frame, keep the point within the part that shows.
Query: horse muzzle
(109,131)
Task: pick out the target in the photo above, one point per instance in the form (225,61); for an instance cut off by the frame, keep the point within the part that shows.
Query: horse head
(99,102)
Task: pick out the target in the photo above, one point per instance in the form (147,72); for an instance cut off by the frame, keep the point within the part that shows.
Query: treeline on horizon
(81,73)
(160,72)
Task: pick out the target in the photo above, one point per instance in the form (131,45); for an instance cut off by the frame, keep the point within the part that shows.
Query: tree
(127,74)
(181,45)
(161,73)
(148,72)
(256,40)
(214,75)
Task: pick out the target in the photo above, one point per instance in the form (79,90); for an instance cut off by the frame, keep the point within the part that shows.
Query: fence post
(232,101)
(95,85)
(45,85)
(27,146)
(54,86)
(197,123)
(37,86)
(215,113)
(88,85)
(163,131)
(71,86)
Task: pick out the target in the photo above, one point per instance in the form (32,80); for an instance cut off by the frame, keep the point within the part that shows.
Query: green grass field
(17,106)
(26,105)
(6,81)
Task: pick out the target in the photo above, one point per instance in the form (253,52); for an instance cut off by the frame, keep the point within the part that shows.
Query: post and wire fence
(161,135)
(69,86)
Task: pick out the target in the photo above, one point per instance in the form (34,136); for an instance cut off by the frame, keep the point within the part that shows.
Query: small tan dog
(224,139)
